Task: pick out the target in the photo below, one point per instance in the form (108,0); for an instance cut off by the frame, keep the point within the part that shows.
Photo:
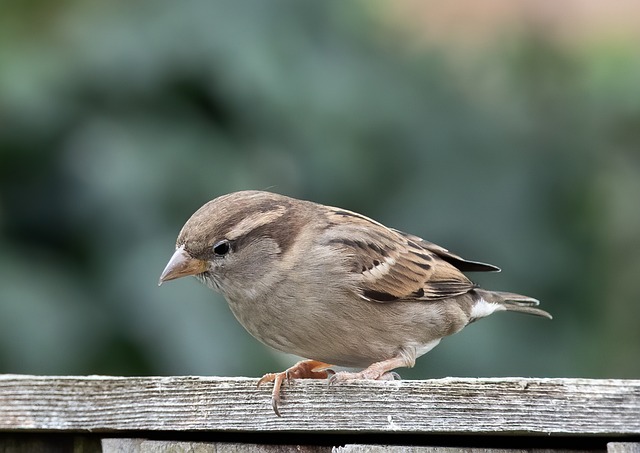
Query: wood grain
(443,406)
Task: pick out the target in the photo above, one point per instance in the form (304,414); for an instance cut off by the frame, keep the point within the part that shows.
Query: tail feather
(528,310)
(514,302)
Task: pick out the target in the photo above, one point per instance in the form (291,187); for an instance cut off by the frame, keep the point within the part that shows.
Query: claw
(393,376)
(275,394)
(269,377)
(277,379)
(307,369)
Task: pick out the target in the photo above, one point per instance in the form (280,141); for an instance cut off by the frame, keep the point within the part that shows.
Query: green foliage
(117,122)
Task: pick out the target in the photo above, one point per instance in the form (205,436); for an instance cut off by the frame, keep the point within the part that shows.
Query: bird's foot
(379,371)
(306,369)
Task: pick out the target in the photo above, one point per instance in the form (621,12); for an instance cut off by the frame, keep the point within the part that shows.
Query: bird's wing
(391,265)
(451,258)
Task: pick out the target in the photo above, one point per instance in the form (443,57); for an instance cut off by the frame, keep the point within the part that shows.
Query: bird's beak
(182,264)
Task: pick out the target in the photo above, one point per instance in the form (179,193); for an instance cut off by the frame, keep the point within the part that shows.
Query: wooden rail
(144,413)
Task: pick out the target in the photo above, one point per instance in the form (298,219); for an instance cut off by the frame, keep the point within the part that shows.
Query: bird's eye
(222,247)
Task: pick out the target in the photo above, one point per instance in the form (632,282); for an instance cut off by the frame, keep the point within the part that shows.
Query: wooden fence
(210,414)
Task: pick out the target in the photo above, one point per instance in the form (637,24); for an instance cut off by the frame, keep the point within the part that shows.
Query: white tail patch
(483,308)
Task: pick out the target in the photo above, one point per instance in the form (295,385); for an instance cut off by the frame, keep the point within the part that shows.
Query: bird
(332,286)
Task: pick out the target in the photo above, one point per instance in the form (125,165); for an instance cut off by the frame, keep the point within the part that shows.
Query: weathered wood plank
(155,446)
(623,447)
(418,449)
(440,406)
(48,443)
(163,446)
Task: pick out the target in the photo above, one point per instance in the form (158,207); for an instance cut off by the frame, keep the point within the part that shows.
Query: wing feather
(457,261)
(393,266)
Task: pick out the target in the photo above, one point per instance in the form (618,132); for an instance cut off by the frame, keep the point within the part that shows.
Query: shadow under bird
(331,285)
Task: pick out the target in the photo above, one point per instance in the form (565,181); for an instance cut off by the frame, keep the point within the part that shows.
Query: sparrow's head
(234,239)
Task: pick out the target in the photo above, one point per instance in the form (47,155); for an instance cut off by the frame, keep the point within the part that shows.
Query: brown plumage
(331,285)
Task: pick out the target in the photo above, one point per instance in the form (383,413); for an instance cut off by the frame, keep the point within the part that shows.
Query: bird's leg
(381,371)
(306,369)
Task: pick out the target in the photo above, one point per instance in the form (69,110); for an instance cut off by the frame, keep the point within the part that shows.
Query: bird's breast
(339,329)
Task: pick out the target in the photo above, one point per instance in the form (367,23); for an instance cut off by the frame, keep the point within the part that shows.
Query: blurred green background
(508,134)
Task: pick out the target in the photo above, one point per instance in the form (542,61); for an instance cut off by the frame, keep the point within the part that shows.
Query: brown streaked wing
(391,265)
(453,259)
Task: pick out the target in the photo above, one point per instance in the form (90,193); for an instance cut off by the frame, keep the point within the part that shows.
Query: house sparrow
(331,285)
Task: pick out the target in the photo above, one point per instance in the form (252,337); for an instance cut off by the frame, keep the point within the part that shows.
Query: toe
(390,376)
(307,369)
(274,405)
(269,377)
(275,393)
(343,376)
